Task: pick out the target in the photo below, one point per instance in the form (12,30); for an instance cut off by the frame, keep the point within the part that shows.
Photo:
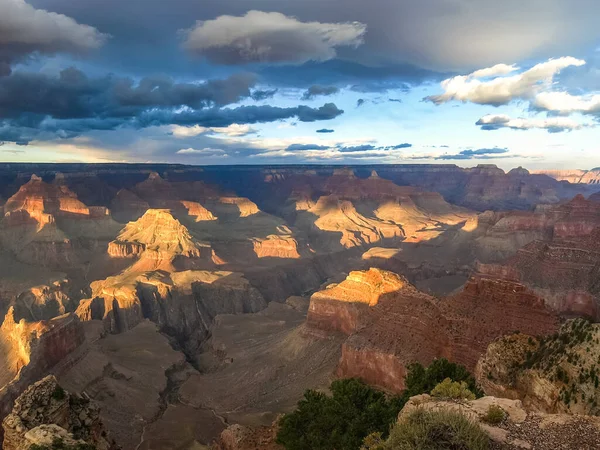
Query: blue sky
(270,82)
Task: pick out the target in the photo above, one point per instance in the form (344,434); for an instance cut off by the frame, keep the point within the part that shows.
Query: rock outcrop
(183,304)
(160,240)
(239,437)
(558,374)
(29,350)
(340,307)
(45,413)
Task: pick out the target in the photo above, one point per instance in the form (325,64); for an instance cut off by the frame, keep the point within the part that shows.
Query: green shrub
(421,380)
(374,441)
(340,421)
(436,430)
(58,444)
(58,393)
(494,415)
(455,390)
(355,411)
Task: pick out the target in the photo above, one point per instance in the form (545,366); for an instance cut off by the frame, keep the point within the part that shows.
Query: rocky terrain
(521,428)
(183,299)
(553,374)
(45,413)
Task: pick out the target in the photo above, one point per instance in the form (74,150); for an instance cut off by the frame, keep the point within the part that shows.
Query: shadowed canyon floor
(185,299)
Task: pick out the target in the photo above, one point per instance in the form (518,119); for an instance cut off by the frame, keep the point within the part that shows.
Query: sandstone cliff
(29,350)
(391,324)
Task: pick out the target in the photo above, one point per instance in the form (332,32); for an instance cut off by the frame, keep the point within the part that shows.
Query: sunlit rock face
(45,224)
(36,196)
(28,350)
(340,306)
(45,412)
(344,211)
(158,241)
(185,303)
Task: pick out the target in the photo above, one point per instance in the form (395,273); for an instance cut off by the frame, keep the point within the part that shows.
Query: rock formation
(558,374)
(46,413)
(159,239)
(560,262)
(239,437)
(340,307)
(45,224)
(29,350)
(183,304)
(391,324)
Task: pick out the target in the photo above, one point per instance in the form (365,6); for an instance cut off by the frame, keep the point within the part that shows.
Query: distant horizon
(505,168)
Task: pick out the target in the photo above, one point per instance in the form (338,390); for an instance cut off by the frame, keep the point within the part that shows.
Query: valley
(183,300)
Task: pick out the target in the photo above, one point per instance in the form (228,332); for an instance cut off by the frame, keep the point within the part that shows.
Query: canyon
(182,300)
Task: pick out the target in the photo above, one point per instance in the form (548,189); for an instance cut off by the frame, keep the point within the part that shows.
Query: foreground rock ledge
(45,412)
(522,429)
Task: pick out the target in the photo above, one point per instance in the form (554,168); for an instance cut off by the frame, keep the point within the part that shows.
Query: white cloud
(24,30)
(552,124)
(566,103)
(270,37)
(208,152)
(502,90)
(234,130)
(494,71)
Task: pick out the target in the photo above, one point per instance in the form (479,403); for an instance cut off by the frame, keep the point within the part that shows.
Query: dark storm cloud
(318,90)
(37,106)
(357,148)
(74,95)
(21,131)
(482,153)
(325,130)
(25,30)
(301,147)
(242,115)
(259,95)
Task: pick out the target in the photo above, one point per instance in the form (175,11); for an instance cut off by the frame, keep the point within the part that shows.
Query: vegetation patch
(440,430)
(453,390)
(494,415)
(356,414)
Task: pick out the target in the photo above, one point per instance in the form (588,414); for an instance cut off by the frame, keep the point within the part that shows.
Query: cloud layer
(552,124)
(35,106)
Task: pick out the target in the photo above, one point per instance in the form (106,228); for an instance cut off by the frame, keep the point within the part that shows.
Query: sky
(463,82)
